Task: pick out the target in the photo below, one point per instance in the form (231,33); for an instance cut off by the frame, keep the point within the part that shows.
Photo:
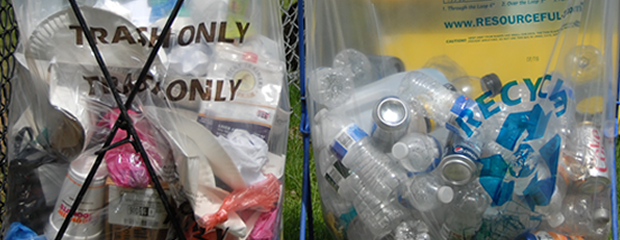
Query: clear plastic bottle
(378,214)
(330,87)
(357,229)
(473,87)
(417,152)
(357,64)
(425,192)
(378,172)
(465,212)
(553,210)
(441,104)
(409,230)
(585,215)
(583,63)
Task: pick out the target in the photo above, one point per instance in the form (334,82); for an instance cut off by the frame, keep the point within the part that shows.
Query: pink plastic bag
(125,165)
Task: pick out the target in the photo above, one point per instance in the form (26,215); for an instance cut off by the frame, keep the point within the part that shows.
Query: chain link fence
(9,37)
(291,45)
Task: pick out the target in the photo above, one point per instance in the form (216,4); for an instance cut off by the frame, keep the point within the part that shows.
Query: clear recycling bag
(211,113)
(463,119)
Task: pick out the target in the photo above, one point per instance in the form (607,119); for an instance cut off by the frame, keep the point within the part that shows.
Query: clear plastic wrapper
(511,121)
(211,115)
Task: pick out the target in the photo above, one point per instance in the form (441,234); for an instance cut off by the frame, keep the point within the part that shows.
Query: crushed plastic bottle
(585,215)
(379,215)
(473,87)
(330,87)
(465,213)
(417,152)
(357,64)
(446,107)
(425,192)
(409,230)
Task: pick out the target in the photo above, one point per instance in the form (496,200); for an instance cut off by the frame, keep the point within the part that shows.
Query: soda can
(391,119)
(591,154)
(458,166)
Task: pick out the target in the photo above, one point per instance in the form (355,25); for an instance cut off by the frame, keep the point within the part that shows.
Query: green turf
(294,179)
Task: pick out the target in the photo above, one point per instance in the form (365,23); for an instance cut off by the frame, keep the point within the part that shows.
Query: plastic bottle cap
(556,220)
(400,150)
(601,216)
(445,194)
(491,82)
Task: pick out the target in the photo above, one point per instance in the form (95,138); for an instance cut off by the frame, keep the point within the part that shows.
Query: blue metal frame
(614,179)
(304,128)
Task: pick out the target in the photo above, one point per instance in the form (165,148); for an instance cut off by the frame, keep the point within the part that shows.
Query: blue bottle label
(345,139)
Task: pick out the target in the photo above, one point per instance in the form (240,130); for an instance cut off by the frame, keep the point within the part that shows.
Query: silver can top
(457,169)
(391,112)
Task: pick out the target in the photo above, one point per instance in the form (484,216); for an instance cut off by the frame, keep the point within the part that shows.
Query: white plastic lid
(556,220)
(400,150)
(445,194)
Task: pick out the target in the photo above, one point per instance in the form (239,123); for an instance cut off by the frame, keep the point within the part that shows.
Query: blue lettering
(532,87)
(542,16)
(505,98)
(536,17)
(464,127)
(484,107)
(487,21)
(470,119)
(528,18)
(542,85)
(503,20)
(519,19)
(559,98)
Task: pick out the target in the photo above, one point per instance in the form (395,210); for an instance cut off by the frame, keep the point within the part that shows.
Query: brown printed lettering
(233,88)
(141,31)
(195,86)
(78,35)
(242,30)
(122,33)
(181,40)
(222,36)
(218,92)
(182,92)
(155,35)
(103,34)
(202,31)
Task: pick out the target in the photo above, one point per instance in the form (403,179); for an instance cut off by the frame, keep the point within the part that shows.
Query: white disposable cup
(88,220)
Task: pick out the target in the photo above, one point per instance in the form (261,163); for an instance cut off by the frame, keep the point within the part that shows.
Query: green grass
(294,179)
